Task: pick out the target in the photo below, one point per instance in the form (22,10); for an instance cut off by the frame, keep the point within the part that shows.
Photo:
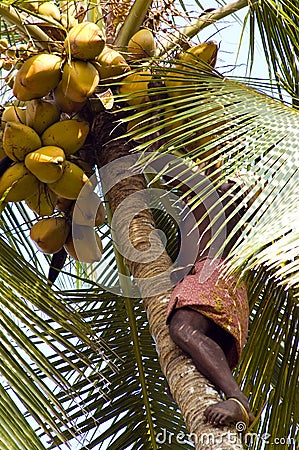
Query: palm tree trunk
(191,390)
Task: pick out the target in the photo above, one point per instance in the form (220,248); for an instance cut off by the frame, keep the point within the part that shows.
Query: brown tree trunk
(192,392)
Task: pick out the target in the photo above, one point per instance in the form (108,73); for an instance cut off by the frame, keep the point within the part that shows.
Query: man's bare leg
(194,334)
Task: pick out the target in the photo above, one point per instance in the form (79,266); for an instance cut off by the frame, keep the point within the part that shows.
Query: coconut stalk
(191,391)
(204,20)
(132,22)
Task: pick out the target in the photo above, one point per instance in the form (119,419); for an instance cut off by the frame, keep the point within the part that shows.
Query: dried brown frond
(163,18)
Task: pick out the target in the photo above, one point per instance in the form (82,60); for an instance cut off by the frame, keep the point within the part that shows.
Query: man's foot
(228,412)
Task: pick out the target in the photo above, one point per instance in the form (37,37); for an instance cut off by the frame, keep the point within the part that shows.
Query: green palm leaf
(278,26)
(17,434)
(137,402)
(270,367)
(29,332)
(244,128)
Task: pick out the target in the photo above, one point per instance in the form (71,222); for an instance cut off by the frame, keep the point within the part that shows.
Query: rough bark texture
(191,391)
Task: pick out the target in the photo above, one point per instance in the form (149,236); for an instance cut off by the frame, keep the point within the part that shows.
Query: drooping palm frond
(95,413)
(136,406)
(208,120)
(35,323)
(277,22)
(269,369)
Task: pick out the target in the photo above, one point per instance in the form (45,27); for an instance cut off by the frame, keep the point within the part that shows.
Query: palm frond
(218,120)
(15,223)
(30,315)
(278,26)
(270,363)
(15,434)
(137,402)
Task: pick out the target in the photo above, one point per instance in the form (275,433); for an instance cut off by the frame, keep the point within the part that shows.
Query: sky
(232,60)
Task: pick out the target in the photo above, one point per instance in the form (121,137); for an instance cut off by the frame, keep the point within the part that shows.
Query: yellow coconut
(17,183)
(64,103)
(46,163)
(19,140)
(37,76)
(40,114)
(13,114)
(177,82)
(200,55)
(72,181)
(67,134)
(134,87)
(50,234)
(84,41)
(43,201)
(111,63)
(141,45)
(79,80)
(50,10)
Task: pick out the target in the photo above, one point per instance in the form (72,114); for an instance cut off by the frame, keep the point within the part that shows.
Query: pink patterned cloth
(217,297)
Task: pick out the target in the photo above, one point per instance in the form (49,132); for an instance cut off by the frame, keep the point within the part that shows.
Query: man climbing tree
(208,312)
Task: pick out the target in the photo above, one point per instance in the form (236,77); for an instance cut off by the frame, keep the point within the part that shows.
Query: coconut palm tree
(79,367)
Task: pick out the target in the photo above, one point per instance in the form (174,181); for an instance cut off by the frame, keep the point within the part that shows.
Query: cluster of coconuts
(40,140)
(73,77)
(41,173)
